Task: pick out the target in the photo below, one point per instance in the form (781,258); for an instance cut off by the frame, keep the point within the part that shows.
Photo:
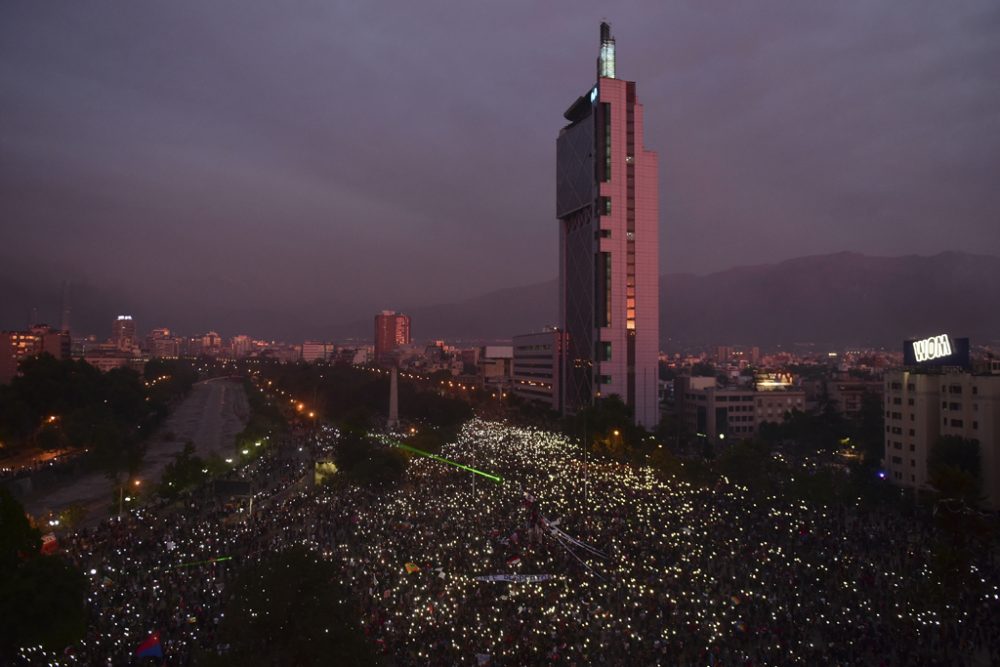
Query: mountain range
(841,299)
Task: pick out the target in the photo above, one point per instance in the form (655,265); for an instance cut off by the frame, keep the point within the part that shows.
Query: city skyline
(370,349)
(819,130)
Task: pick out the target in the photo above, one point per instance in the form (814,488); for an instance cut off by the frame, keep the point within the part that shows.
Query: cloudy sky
(353,156)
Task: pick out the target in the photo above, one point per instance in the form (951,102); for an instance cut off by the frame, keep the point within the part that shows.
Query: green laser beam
(205,562)
(441,459)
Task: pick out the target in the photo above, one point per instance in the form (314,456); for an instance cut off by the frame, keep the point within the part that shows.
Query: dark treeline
(41,597)
(54,404)
(359,398)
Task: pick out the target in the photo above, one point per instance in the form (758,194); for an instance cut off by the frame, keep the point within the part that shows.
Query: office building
(732,413)
(123,333)
(923,404)
(317,351)
(392,329)
(538,368)
(496,366)
(607,205)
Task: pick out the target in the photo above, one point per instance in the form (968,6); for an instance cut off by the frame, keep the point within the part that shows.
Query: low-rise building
(718,413)
(847,396)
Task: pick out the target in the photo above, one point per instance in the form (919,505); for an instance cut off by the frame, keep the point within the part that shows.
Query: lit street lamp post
(121,495)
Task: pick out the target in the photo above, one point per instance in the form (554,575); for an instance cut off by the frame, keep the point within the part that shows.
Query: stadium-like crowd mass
(634,569)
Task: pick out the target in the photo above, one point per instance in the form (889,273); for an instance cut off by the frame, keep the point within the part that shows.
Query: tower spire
(606,60)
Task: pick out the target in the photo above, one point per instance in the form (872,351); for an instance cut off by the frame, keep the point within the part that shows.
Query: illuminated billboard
(939,350)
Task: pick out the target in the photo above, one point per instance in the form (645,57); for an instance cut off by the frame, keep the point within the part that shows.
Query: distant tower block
(393,422)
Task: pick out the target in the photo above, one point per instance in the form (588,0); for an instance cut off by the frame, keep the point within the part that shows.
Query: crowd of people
(560,562)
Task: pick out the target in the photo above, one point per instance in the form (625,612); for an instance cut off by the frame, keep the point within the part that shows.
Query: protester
(632,569)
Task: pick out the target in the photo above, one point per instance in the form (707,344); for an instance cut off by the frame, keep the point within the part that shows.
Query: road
(210,417)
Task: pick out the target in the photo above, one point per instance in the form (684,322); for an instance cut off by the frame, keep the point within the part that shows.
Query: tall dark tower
(608,209)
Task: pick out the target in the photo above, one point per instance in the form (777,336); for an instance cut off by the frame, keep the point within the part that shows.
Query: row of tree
(57,404)
(358,398)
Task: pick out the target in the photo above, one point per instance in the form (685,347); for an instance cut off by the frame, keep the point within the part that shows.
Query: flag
(411,568)
(50,544)
(150,648)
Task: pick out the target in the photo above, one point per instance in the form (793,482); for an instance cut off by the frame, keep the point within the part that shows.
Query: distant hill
(836,300)
(840,299)
(492,316)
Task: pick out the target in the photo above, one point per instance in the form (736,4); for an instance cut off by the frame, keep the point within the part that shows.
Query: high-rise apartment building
(392,329)
(607,205)
(241,346)
(123,333)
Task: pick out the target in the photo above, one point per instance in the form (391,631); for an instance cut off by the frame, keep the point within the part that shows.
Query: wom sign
(942,350)
(932,348)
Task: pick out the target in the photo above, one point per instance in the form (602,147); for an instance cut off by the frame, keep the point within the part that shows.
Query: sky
(270,158)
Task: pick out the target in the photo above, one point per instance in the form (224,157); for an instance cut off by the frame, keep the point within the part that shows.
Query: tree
(703,369)
(953,466)
(290,609)
(41,597)
(17,421)
(184,472)
(608,429)
(870,427)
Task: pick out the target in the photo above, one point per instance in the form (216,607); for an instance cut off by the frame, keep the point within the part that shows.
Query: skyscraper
(607,205)
(392,329)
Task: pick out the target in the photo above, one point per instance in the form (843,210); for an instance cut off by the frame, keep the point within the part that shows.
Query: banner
(516,578)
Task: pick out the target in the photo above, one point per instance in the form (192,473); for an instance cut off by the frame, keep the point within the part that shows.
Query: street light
(121,495)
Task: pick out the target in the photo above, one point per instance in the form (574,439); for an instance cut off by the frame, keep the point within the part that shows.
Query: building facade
(538,368)
(16,346)
(607,205)
(123,333)
(923,405)
(733,413)
(317,350)
(392,329)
